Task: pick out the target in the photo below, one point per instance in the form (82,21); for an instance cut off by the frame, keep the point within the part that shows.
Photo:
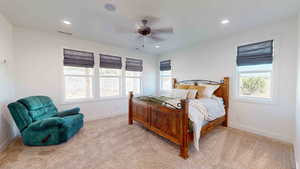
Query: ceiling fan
(144,30)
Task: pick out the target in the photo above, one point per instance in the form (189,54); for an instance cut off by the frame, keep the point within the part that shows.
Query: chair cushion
(39,107)
(69,112)
(46,123)
(52,131)
(20,115)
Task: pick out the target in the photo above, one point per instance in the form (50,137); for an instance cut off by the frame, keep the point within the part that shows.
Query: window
(78,74)
(82,81)
(134,68)
(254,69)
(110,75)
(165,80)
(255,81)
(110,82)
(165,75)
(133,82)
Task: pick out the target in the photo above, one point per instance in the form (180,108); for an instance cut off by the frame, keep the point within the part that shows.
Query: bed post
(226,99)
(130,120)
(184,128)
(174,81)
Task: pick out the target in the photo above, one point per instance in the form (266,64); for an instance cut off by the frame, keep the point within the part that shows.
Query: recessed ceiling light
(225,21)
(67,22)
(157,46)
(110,7)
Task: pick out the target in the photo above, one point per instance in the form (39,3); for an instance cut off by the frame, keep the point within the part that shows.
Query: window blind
(165,65)
(77,58)
(110,62)
(255,54)
(134,65)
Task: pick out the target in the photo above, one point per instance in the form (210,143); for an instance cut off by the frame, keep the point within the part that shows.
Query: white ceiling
(192,20)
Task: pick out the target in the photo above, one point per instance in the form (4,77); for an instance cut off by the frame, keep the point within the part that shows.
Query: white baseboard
(4,144)
(272,135)
(102,116)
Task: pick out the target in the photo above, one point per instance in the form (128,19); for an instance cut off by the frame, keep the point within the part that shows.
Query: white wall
(297,140)
(7,129)
(217,58)
(39,69)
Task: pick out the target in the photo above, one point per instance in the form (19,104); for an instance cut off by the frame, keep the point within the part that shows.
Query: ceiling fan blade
(156,38)
(151,20)
(163,30)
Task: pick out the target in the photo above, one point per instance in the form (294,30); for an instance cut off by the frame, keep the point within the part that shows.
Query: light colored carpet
(112,144)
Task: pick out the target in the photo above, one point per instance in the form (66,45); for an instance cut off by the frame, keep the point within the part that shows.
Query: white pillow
(179,93)
(209,89)
(192,93)
(219,100)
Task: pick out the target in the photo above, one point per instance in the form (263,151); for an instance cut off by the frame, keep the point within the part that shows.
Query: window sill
(69,102)
(255,100)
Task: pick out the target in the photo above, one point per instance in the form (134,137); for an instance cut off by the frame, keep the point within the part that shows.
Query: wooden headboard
(222,91)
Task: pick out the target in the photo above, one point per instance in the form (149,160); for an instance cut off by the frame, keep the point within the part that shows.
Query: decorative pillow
(200,90)
(219,100)
(182,86)
(192,93)
(180,93)
(209,89)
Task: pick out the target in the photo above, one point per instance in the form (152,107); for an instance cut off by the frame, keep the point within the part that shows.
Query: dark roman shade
(255,54)
(165,65)
(77,58)
(110,62)
(134,65)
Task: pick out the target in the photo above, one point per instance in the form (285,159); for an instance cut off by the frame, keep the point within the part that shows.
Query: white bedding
(203,110)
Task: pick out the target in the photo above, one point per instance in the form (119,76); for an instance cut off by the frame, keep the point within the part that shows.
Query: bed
(173,122)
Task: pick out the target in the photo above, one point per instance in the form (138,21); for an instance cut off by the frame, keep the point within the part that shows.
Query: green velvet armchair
(40,123)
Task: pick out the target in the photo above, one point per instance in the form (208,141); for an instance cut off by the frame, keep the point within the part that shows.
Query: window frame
(160,80)
(65,100)
(110,76)
(274,76)
(133,77)
(95,80)
(253,98)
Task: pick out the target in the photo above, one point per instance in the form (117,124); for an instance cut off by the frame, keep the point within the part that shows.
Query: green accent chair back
(41,124)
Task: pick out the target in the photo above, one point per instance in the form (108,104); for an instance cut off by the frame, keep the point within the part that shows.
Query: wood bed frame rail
(171,123)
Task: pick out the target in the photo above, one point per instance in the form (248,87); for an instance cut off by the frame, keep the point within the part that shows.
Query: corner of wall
(7,77)
(297,113)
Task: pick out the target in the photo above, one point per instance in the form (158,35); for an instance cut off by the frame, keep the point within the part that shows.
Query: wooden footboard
(167,122)
(172,123)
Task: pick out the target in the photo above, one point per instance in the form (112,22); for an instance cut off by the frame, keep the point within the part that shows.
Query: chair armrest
(46,123)
(68,112)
